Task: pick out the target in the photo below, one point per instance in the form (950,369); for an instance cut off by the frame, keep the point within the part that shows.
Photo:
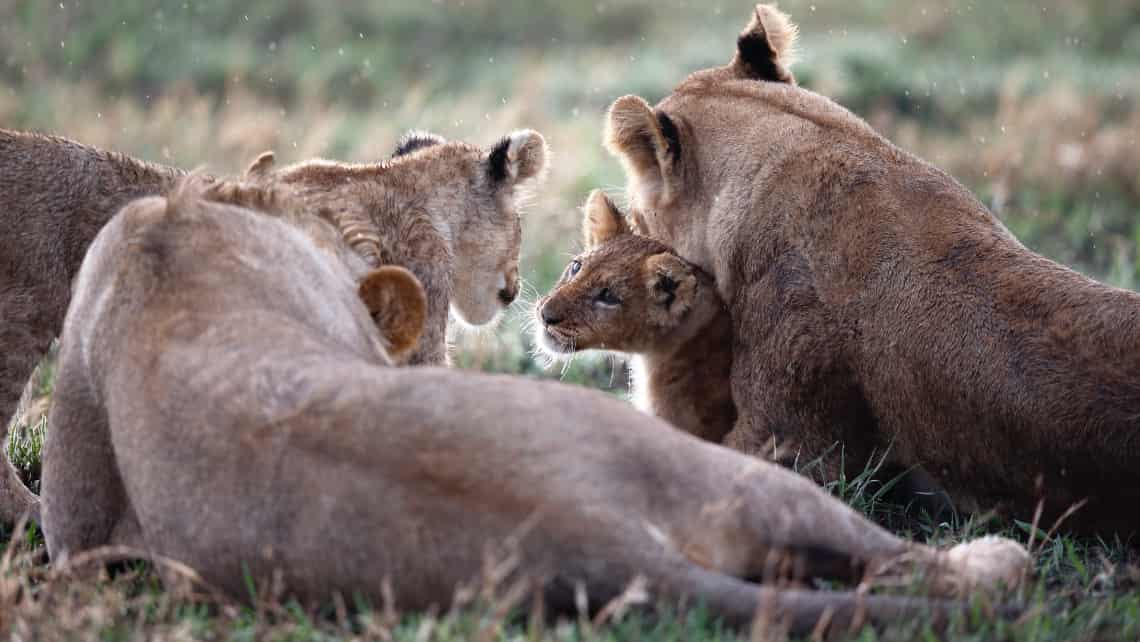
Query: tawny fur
(876,301)
(670,316)
(227,403)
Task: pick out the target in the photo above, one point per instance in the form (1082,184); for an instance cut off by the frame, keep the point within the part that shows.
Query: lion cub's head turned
(485,227)
(626,292)
(488,242)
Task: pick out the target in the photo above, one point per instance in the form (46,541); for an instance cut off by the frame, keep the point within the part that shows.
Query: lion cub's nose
(508,294)
(550,318)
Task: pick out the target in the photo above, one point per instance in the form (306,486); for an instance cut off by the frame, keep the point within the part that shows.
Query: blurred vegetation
(1033,105)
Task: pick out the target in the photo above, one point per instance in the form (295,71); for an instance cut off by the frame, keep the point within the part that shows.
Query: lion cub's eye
(605,296)
(574,267)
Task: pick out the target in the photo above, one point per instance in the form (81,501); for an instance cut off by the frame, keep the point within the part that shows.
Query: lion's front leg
(799,402)
(810,427)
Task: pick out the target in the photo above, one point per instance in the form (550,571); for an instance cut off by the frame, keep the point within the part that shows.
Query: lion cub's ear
(602,220)
(396,300)
(766,47)
(261,165)
(519,156)
(649,147)
(672,287)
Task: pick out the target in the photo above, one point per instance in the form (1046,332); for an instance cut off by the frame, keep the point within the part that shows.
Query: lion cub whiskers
(631,294)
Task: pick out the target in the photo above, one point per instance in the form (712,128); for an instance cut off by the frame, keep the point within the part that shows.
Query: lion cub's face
(626,292)
(468,196)
(488,235)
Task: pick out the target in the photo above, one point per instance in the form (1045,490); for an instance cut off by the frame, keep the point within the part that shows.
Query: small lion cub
(629,293)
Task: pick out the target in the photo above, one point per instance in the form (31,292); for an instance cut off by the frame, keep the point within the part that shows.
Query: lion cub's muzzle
(508,294)
(508,287)
(551,334)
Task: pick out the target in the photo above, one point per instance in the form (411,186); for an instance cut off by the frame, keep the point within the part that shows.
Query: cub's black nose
(548,318)
(508,295)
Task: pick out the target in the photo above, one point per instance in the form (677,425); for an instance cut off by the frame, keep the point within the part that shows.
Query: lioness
(875,299)
(447,213)
(629,293)
(226,403)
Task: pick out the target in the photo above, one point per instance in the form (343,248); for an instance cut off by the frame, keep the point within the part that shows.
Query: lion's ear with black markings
(517,157)
(648,144)
(766,48)
(672,288)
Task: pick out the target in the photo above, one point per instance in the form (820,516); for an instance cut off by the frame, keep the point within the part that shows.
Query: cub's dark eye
(573,269)
(605,296)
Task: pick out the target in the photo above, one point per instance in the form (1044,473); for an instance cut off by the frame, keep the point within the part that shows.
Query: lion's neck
(687,382)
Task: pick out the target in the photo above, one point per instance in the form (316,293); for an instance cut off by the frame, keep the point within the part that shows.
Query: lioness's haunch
(228,403)
(876,302)
(632,294)
(446,210)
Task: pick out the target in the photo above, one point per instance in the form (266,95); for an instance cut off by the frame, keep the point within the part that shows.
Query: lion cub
(446,210)
(630,293)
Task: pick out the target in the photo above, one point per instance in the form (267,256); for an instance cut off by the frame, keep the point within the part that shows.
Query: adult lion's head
(700,151)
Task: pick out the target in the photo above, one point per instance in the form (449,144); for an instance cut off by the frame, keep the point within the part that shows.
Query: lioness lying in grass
(224,399)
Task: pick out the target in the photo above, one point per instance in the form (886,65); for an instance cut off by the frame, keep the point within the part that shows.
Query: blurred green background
(1032,104)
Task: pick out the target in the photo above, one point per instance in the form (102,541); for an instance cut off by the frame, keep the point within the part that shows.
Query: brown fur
(55,195)
(669,315)
(227,403)
(877,302)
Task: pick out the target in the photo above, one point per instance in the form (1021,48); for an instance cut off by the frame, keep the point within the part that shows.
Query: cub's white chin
(550,344)
(478,317)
